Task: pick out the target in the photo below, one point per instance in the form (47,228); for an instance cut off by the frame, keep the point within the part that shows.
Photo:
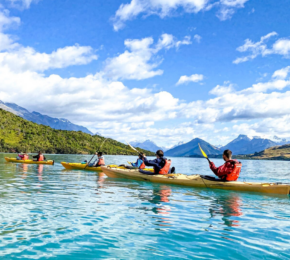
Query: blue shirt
(138,163)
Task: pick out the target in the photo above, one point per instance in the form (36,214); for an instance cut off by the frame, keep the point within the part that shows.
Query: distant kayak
(49,162)
(80,166)
(198,181)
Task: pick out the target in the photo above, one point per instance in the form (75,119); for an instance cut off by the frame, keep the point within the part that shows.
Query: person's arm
(218,171)
(35,156)
(44,157)
(135,164)
(155,163)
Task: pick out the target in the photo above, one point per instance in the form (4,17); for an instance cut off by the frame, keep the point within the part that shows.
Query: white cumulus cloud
(222,90)
(186,79)
(228,8)
(164,8)
(139,62)
(22,4)
(26,58)
(280,47)
(6,20)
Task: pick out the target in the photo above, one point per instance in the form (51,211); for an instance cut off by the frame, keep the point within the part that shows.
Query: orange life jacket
(234,175)
(25,157)
(142,166)
(165,168)
(101,162)
(41,158)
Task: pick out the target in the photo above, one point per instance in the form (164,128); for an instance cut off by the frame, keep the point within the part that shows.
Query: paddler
(139,163)
(22,156)
(230,170)
(39,157)
(161,165)
(100,161)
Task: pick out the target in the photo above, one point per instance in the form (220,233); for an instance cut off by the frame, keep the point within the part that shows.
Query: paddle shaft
(94,154)
(89,161)
(133,148)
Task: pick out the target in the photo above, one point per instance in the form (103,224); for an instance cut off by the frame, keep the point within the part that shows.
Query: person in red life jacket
(22,156)
(230,170)
(100,161)
(39,157)
(161,165)
(25,156)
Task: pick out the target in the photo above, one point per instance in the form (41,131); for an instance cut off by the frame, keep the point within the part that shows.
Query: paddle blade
(203,153)
(132,147)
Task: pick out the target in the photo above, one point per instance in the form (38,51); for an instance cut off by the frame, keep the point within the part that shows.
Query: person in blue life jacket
(161,165)
(139,163)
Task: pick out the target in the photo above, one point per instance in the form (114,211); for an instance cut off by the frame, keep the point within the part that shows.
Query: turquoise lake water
(51,213)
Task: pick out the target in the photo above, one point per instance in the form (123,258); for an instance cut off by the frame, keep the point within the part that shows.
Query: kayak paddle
(95,154)
(133,148)
(204,154)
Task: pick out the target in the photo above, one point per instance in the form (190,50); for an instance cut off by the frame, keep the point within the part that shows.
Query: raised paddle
(133,148)
(204,154)
(95,154)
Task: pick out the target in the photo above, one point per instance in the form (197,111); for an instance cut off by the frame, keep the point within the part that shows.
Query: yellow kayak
(80,166)
(198,181)
(49,162)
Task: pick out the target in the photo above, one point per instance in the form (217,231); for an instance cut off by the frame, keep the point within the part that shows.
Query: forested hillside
(20,135)
(274,153)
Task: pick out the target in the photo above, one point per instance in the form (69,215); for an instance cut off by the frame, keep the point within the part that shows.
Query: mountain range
(192,148)
(242,145)
(56,123)
(148,145)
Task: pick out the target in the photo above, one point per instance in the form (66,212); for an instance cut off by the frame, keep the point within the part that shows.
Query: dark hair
(160,153)
(141,155)
(228,153)
(100,153)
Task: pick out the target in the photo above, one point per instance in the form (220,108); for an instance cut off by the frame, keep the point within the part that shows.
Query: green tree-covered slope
(19,135)
(274,153)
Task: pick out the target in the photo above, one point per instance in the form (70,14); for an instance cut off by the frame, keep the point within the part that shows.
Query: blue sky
(168,71)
